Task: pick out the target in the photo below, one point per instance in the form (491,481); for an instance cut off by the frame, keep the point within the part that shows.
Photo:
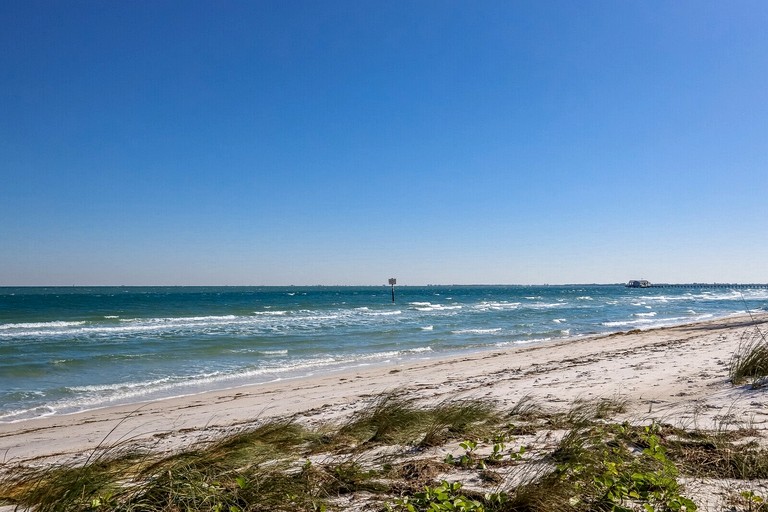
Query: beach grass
(749,362)
(393,419)
(270,467)
(578,460)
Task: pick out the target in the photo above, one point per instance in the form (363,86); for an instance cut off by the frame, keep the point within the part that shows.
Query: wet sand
(677,374)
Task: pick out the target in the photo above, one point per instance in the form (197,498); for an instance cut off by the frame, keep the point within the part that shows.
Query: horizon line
(622,283)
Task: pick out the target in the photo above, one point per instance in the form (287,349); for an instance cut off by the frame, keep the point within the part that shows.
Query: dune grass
(391,455)
(750,361)
(269,467)
(281,465)
(394,420)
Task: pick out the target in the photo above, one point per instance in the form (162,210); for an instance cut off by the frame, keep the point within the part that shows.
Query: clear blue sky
(306,142)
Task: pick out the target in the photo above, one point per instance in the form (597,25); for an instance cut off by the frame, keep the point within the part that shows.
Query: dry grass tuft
(750,361)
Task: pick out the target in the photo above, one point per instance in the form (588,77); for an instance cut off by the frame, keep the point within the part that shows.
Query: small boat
(642,283)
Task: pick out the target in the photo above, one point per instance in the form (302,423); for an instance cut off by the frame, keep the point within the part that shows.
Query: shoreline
(677,372)
(407,356)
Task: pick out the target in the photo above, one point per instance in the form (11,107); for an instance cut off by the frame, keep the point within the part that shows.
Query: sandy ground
(678,375)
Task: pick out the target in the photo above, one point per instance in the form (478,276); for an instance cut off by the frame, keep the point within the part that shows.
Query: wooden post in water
(393,282)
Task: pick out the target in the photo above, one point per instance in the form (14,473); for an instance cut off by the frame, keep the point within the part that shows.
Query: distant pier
(739,286)
(710,285)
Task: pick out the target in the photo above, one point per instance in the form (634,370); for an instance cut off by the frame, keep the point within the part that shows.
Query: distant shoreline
(713,284)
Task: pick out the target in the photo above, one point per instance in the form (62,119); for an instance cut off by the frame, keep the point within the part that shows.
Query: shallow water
(69,349)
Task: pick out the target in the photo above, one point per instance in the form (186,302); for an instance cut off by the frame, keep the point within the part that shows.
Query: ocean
(64,350)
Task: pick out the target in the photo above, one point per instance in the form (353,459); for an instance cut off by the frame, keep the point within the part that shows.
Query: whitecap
(548,305)
(626,323)
(273,352)
(520,342)
(438,307)
(477,331)
(40,325)
(418,350)
(496,306)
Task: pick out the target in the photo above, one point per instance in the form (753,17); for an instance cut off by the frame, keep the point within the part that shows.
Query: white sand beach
(678,375)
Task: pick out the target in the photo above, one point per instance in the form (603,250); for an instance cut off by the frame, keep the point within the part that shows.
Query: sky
(346,142)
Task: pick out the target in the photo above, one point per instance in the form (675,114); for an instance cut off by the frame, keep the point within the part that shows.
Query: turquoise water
(69,349)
